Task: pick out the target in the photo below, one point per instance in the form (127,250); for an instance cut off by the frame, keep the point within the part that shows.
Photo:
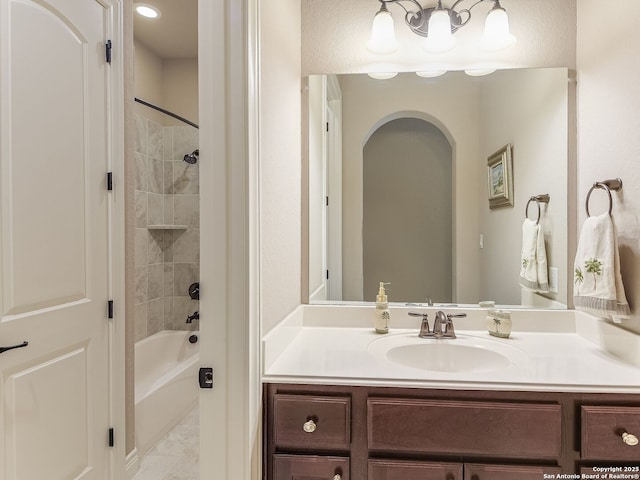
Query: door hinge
(327,274)
(110,309)
(326,200)
(111,440)
(107,51)
(327,126)
(206,377)
(109,181)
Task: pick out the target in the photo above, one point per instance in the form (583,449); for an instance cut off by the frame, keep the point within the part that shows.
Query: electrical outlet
(553,280)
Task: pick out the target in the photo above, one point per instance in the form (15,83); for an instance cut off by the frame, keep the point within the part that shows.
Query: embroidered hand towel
(597,286)
(533,271)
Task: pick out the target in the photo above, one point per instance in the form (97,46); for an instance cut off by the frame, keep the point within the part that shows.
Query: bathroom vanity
(337,408)
(376,433)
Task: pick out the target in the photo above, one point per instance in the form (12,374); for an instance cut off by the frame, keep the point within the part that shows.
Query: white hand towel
(597,286)
(533,271)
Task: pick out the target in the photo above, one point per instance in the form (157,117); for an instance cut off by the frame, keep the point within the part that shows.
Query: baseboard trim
(132,464)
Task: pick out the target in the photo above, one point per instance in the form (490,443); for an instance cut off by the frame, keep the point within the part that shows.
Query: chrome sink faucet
(442,325)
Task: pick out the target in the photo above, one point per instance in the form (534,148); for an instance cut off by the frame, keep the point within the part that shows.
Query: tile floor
(176,456)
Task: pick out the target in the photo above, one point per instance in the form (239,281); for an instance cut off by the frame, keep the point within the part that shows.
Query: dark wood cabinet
(307,467)
(508,472)
(498,429)
(409,470)
(602,431)
(336,432)
(314,422)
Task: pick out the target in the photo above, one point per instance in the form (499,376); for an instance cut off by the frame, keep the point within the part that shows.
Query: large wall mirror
(398,186)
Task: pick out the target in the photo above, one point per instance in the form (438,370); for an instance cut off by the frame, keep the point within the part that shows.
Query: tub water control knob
(630,439)
(309,426)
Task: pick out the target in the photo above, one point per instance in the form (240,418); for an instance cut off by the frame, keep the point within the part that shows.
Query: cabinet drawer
(602,429)
(308,467)
(518,430)
(473,471)
(406,470)
(312,422)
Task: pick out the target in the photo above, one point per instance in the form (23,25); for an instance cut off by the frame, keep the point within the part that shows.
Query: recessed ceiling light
(147,10)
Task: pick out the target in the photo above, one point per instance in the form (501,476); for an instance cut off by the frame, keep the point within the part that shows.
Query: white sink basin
(463,354)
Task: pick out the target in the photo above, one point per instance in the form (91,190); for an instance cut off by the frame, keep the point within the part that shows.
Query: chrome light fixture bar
(438,24)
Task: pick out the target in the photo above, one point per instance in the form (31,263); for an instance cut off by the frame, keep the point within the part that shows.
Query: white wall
(336,33)
(280,165)
(529,109)
(608,125)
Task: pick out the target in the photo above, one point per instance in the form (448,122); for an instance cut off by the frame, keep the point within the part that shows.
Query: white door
(54,245)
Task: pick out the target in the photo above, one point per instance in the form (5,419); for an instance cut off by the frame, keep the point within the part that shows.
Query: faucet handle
(424,326)
(456,315)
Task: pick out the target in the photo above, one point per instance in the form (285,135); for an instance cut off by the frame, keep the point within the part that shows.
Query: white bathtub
(166,384)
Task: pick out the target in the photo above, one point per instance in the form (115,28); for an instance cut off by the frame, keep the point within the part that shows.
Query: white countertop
(574,357)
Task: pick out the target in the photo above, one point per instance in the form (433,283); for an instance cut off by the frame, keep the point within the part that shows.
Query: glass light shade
(431,73)
(383,36)
(496,31)
(440,39)
(382,75)
(479,72)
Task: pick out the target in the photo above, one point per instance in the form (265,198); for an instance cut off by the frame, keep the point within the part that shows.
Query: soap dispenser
(382,311)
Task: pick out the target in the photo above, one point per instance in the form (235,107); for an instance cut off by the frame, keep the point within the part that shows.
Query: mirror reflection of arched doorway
(407,211)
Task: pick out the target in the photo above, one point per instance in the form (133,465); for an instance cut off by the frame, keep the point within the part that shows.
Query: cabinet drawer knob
(630,439)
(337,476)
(309,426)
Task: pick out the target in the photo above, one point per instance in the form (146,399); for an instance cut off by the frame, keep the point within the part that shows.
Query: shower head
(192,158)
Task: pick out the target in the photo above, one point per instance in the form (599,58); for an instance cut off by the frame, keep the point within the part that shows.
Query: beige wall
(280,166)
(608,125)
(406,221)
(171,84)
(361,116)
(528,109)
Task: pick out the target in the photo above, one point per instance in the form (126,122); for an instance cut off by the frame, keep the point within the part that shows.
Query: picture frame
(500,178)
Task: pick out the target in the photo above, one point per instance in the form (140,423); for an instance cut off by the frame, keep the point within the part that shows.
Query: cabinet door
(508,472)
(310,467)
(405,470)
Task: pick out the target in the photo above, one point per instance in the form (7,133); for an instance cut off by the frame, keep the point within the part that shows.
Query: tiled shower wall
(167,193)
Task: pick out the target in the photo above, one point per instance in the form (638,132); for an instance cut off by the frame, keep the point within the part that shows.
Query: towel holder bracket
(614,184)
(544,198)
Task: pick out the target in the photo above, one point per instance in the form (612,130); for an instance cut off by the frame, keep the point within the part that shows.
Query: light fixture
(382,75)
(438,24)
(431,73)
(146,10)
(479,72)
(383,36)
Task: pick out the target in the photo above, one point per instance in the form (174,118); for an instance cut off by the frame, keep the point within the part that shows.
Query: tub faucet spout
(195,316)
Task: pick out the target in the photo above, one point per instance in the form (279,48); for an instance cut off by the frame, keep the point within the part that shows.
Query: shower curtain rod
(166,112)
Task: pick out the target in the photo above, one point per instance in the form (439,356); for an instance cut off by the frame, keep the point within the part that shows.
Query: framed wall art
(500,178)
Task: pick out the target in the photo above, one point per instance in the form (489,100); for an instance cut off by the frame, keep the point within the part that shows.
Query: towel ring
(607,185)
(537,198)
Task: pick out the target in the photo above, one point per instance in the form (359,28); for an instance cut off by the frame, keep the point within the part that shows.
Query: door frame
(230,412)
(117,216)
